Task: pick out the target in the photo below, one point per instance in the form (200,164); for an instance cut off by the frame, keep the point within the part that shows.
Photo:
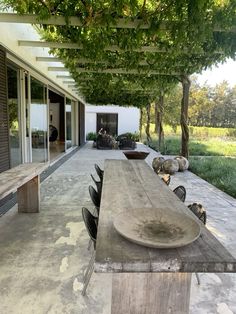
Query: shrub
(91,136)
(129,135)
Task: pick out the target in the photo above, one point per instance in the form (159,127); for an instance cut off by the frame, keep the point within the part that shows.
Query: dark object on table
(91,225)
(53,133)
(180,191)
(136,154)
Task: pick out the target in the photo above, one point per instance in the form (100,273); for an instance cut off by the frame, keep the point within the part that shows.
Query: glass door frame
(16,68)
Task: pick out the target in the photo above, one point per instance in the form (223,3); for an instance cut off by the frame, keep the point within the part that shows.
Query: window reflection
(14,116)
(38,121)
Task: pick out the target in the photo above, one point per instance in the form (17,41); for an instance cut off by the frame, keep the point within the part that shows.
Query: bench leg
(28,196)
(151,293)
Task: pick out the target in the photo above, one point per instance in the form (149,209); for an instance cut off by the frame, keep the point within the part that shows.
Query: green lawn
(198,147)
(213,160)
(219,171)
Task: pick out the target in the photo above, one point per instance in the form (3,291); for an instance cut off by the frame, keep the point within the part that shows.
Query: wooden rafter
(113,71)
(75,21)
(124,71)
(114,48)
(82,60)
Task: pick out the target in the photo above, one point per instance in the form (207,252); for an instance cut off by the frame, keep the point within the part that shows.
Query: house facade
(33,102)
(115,120)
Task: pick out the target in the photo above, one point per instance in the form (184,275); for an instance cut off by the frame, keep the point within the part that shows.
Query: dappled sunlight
(216,232)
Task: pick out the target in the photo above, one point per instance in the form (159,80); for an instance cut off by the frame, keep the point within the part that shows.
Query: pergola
(131,52)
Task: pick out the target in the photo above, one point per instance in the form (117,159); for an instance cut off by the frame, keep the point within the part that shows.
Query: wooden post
(185,80)
(28,196)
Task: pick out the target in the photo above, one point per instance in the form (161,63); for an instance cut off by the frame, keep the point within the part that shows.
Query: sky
(217,74)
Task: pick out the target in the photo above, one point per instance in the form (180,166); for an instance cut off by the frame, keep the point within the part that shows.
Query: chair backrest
(90,222)
(98,185)
(99,171)
(180,191)
(94,197)
(166,179)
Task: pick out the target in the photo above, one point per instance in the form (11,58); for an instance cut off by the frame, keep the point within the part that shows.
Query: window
(38,121)
(14,116)
(107,121)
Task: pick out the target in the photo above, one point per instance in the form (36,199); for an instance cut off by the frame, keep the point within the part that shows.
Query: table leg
(28,196)
(151,293)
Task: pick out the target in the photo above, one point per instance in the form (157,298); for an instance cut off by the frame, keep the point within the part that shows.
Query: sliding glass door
(14,116)
(39,121)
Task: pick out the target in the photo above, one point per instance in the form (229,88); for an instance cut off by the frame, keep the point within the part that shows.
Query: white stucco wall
(128,118)
(10,33)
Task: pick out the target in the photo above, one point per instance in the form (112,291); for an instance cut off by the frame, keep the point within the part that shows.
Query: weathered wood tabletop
(130,184)
(25,180)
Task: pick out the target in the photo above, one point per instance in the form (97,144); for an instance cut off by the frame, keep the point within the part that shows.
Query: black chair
(53,133)
(180,191)
(90,222)
(98,185)
(99,171)
(96,199)
(200,212)
(166,179)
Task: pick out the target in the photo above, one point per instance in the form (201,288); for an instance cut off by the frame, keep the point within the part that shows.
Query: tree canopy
(129,50)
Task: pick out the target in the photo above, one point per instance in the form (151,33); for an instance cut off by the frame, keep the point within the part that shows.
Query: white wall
(10,33)
(128,118)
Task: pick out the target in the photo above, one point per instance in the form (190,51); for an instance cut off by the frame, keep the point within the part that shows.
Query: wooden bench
(25,180)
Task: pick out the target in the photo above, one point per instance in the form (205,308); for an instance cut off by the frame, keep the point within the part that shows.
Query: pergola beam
(64,76)
(124,71)
(113,48)
(82,60)
(75,21)
(48,59)
(112,71)
(78,79)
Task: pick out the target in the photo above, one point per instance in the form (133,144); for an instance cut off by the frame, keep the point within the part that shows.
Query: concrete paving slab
(43,256)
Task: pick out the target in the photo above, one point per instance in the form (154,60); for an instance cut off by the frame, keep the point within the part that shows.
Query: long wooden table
(147,280)
(25,180)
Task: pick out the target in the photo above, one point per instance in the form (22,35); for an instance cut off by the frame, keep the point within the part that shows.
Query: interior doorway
(56,125)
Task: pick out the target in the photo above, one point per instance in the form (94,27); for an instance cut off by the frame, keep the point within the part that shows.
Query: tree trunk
(156,117)
(160,124)
(185,80)
(140,123)
(148,108)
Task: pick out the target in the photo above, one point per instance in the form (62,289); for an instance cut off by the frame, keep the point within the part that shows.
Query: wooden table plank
(132,184)
(150,293)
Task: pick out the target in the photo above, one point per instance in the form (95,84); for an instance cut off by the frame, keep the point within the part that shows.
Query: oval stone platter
(157,228)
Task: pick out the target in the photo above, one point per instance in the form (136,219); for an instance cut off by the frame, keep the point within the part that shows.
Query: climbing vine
(170,40)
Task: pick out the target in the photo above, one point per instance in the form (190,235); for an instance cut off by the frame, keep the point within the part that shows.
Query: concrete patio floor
(44,255)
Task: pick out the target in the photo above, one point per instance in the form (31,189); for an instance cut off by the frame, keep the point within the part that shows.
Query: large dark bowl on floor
(135,155)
